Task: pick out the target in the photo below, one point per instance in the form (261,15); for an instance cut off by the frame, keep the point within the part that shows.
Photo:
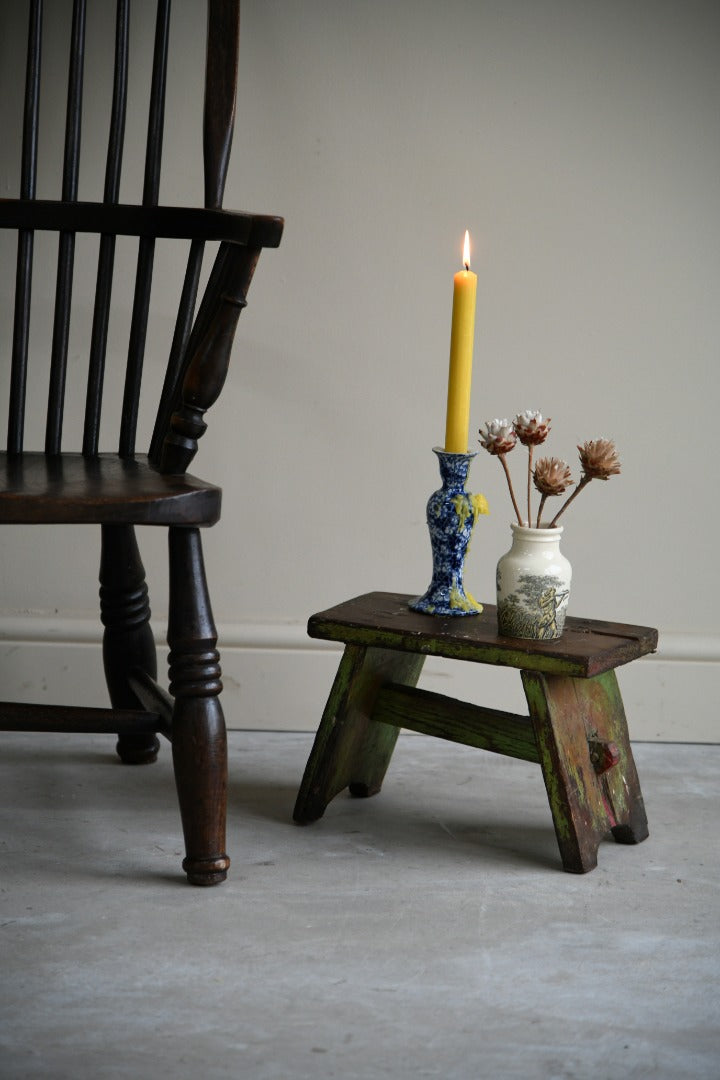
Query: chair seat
(72,489)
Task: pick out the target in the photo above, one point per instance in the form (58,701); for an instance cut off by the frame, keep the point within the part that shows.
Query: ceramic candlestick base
(451,516)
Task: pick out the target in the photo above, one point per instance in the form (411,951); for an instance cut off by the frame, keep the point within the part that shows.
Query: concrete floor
(428,932)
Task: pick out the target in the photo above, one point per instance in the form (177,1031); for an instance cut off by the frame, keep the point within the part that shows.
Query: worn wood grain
(352,749)
(457,721)
(576,730)
(588,647)
(570,716)
(72,489)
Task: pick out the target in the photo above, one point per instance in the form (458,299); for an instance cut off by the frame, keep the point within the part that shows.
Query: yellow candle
(461,354)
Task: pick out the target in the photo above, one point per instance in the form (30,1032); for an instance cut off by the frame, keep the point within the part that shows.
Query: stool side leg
(323,777)
(620,784)
(350,748)
(567,713)
(576,803)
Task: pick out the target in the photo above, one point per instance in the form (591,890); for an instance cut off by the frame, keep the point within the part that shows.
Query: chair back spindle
(26,237)
(221,79)
(146,251)
(199,352)
(106,256)
(66,247)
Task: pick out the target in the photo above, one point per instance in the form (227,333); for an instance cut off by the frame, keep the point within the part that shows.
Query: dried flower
(599,459)
(552,476)
(530,428)
(499,437)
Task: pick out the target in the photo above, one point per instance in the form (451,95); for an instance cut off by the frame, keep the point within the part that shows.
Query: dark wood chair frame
(119,491)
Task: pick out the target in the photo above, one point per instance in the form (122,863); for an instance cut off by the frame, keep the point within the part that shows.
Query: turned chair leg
(128,641)
(199,742)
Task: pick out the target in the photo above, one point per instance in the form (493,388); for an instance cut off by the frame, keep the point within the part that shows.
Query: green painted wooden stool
(576,730)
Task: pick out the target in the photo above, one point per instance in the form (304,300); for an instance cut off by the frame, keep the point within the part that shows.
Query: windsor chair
(124,488)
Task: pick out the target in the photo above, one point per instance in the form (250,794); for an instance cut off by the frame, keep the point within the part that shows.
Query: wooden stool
(576,730)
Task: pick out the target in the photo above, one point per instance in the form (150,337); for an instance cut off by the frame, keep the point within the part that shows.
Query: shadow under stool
(576,729)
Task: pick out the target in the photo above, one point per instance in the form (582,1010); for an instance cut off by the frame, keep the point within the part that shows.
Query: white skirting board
(277,679)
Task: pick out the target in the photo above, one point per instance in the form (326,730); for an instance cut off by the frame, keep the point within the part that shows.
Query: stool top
(587,647)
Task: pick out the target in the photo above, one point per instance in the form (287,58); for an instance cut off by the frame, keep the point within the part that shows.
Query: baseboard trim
(83,630)
(42,627)
(277,678)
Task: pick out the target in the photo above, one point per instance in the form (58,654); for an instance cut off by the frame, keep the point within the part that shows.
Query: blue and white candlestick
(451,517)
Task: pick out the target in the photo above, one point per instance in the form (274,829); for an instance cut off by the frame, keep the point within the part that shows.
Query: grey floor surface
(427,932)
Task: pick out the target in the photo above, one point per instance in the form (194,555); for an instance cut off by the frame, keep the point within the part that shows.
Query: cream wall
(579,143)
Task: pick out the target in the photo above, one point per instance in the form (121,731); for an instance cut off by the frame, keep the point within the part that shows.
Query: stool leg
(570,716)
(199,742)
(620,784)
(351,749)
(128,641)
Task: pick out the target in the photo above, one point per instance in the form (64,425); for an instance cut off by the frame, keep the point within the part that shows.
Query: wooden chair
(124,489)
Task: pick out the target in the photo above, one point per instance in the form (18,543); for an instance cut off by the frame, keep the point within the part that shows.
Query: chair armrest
(119,219)
(208,353)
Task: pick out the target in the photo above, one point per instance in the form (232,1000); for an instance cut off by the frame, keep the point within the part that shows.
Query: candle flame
(466,250)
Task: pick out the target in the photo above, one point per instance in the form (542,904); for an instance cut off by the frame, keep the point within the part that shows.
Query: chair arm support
(209,352)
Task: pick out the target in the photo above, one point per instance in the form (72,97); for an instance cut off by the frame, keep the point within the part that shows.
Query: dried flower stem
(585,480)
(504,464)
(543,500)
(530,459)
